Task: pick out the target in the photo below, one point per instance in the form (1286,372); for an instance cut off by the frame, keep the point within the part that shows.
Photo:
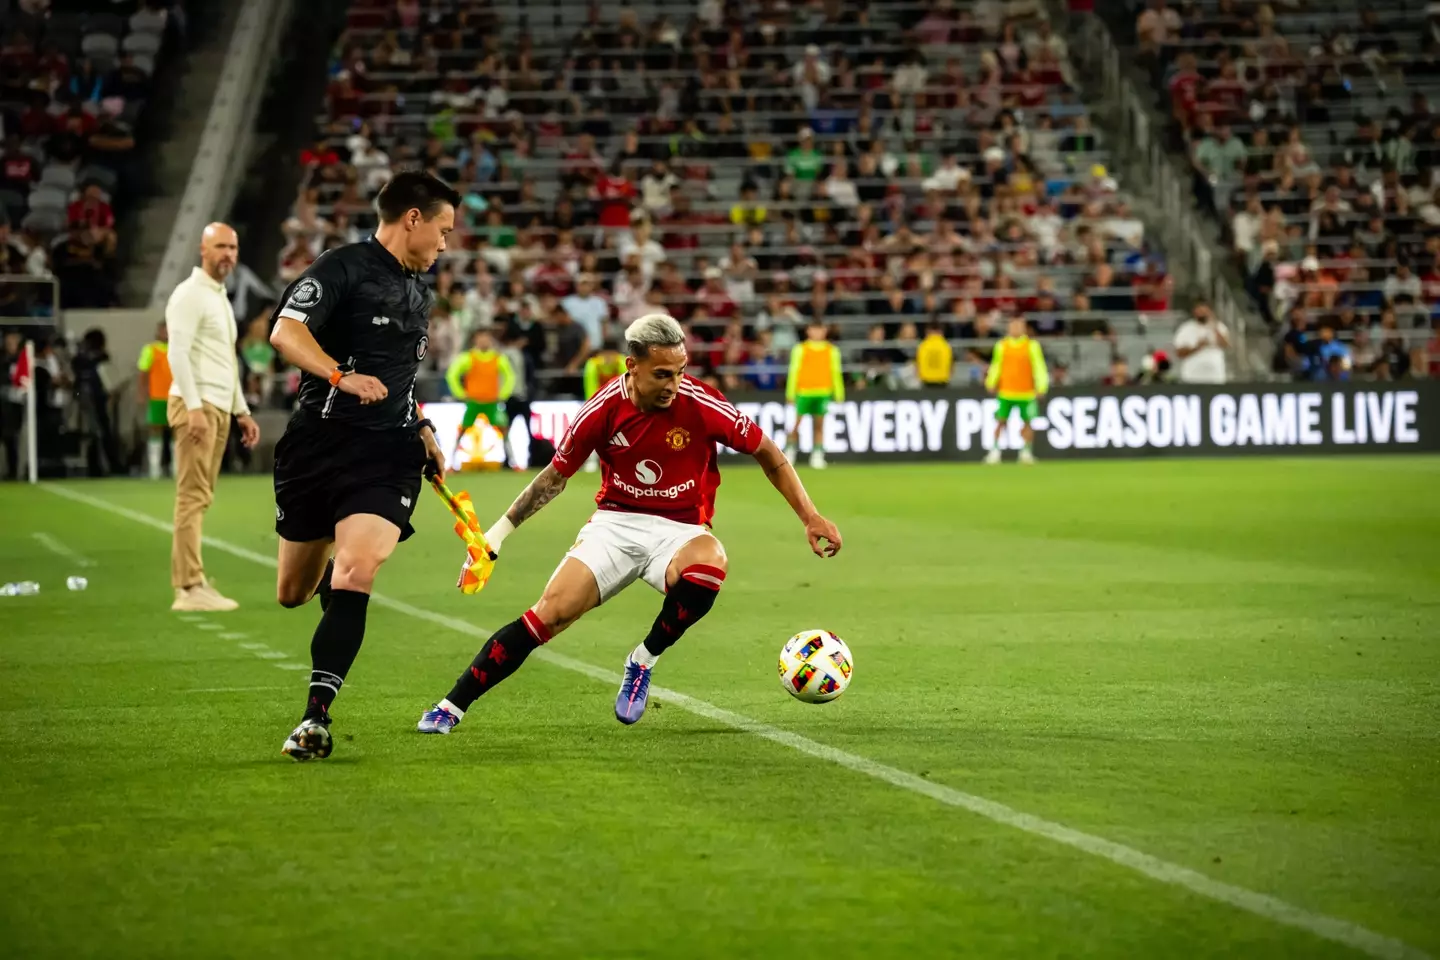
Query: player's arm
(434,456)
(579,441)
(454,376)
(592,377)
(992,376)
(837,377)
(182,319)
(547,485)
(794,373)
(1042,372)
(823,535)
(308,306)
(147,360)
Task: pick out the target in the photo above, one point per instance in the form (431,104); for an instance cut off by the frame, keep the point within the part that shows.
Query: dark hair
(414,190)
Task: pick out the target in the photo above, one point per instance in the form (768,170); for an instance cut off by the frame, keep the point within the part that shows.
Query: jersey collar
(386,257)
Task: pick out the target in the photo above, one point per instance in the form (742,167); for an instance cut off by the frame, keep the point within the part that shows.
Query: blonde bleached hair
(653,330)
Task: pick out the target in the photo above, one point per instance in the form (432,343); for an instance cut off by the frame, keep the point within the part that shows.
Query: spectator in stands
(804,162)
(1156,28)
(566,347)
(588,309)
(19,169)
(1402,283)
(1219,161)
(1200,343)
(639,242)
(1119,375)
(83,263)
(655,187)
(1332,358)
(91,210)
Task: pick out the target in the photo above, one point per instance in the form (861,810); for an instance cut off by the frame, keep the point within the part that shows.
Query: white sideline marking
(53,544)
(1321,925)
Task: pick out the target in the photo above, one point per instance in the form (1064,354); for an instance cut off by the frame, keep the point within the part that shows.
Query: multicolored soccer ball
(815,666)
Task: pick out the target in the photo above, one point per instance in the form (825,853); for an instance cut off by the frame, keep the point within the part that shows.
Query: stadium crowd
(1311,136)
(897,170)
(75,78)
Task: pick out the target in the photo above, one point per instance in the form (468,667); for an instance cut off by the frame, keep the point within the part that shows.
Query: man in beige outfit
(204,394)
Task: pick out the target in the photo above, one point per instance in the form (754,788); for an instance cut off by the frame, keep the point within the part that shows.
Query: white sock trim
(643,656)
(449,707)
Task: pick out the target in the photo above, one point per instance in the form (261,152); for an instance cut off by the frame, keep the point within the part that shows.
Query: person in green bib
(815,380)
(483,378)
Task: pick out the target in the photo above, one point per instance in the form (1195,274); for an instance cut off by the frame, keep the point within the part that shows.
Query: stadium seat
(45,223)
(44,197)
(142,44)
(97,45)
(98,174)
(58,175)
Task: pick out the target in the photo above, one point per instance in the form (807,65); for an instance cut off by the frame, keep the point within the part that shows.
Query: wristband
(425,423)
(498,531)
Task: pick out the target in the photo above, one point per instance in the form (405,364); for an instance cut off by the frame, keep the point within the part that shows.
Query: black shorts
(325,472)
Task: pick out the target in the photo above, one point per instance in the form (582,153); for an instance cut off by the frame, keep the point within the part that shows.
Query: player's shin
(501,656)
(333,649)
(687,601)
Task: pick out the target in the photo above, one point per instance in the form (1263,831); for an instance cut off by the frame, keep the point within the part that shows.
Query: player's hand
(434,458)
(823,535)
(197,427)
(368,389)
(249,431)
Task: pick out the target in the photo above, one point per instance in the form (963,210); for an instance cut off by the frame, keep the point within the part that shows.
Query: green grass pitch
(1232,666)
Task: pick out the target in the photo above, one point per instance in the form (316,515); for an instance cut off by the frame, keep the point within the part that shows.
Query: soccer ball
(815,666)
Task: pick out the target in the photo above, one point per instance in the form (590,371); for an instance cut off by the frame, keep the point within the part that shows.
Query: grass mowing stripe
(1330,928)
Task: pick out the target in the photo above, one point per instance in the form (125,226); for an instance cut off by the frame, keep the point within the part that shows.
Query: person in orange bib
(1017,376)
(154,381)
(483,378)
(815,380)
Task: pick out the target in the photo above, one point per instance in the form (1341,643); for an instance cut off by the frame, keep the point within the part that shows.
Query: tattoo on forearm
(544,488)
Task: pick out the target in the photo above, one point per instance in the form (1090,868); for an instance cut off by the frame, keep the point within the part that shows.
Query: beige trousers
(197,465)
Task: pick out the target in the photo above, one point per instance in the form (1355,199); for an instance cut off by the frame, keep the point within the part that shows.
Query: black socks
(332,650)
(501,656)
(687,601)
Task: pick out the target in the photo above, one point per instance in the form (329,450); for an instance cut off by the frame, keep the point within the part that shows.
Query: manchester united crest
(678,438)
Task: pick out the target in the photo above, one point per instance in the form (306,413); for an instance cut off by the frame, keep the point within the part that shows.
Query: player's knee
(707,554)
(356,573)
(290,595)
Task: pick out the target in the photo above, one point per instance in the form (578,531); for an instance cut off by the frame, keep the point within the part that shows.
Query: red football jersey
(660,462)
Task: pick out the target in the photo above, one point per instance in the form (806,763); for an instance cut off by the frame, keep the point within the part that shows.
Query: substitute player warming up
(348,470)
(655,430)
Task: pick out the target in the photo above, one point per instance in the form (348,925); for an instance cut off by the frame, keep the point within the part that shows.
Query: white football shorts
(620,547)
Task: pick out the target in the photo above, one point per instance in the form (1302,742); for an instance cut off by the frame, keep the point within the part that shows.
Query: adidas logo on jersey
(619,440)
